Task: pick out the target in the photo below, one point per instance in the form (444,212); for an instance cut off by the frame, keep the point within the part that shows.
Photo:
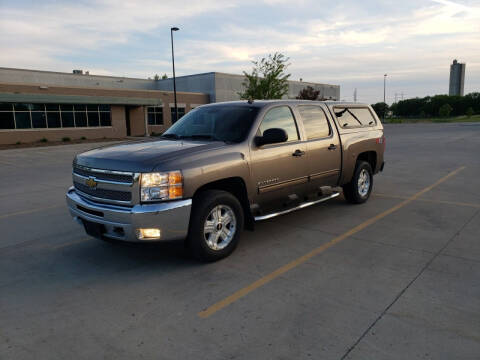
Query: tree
(469,112)
(156,77)
(445,110)
(308,93)
(380,108)
(429,106)
(164,76)
(268,79)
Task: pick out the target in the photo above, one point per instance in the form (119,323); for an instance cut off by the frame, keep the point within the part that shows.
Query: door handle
(332,147)
(298,152)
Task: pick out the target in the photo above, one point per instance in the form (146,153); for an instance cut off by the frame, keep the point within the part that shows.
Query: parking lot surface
(395,278)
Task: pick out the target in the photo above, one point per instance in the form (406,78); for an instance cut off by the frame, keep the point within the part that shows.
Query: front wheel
(358,190)
(215,225)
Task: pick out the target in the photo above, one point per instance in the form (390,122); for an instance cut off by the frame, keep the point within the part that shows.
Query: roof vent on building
(78,72)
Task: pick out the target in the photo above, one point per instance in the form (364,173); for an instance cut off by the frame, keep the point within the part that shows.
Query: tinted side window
(280,117)
(315,122)
(354,117)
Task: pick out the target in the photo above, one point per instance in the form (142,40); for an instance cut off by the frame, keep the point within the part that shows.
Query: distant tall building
(457,78)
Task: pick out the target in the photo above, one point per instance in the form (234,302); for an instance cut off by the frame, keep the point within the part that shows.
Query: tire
(215,225)
(358,190)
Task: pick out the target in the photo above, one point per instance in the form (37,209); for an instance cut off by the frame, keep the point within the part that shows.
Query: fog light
(148,233)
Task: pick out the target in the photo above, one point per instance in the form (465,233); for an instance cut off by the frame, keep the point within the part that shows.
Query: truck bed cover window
(351,117)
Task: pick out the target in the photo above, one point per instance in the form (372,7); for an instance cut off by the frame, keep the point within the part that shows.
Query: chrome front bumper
(122,223)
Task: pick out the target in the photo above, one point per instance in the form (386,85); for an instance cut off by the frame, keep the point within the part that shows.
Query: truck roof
(262,103)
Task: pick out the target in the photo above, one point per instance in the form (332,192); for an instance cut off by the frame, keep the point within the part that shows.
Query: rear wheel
(358,190)
(215,225)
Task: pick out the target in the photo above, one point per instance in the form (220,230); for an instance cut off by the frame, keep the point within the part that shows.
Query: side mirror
(272,136)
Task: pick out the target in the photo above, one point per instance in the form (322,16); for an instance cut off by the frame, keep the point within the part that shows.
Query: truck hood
(141,156)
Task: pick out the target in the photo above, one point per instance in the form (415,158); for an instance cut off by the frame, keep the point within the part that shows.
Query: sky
(348,43)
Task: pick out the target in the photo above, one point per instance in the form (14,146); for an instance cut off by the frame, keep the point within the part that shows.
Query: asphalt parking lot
(396,278)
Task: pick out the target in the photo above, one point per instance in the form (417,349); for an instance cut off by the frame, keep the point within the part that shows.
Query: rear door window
(315,122)
(351,117)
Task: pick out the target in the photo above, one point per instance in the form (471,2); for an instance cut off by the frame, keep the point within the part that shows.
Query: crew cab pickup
(224,166)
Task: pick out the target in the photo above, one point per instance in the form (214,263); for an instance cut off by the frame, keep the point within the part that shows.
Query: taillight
(381,140)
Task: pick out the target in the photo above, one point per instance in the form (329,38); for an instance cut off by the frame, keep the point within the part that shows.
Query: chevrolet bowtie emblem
(91,183)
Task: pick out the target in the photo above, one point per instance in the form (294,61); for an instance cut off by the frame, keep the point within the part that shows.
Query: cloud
(350,43)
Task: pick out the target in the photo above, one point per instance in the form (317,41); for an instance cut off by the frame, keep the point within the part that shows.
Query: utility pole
(384,97)
(174,82)
(355,95)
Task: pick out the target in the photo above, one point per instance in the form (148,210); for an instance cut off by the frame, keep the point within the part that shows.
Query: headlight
(161,186)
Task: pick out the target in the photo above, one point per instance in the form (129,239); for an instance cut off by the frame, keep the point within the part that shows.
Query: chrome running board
(301,206)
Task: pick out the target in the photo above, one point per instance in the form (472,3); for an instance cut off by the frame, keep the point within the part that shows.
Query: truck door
(323,147)
(279,170)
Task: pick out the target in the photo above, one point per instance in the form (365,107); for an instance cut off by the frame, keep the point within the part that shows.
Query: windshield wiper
(170,136)
(200,137)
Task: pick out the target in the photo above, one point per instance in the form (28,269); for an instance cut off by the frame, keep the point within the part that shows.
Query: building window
(105,116)
(68,118)
(7,120)
(181,112)
(80,112)
(155,115)
(93,117)
(53,116)
(39,118)
(22,116)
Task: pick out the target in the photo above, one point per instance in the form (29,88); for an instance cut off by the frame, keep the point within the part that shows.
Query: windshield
(224,123)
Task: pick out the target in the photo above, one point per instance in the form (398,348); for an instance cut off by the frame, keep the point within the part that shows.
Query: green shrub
(445,110)
(83,138)
(440,120)
(18,142)
(469,112)
(43,140)
(65,139)
(395,121)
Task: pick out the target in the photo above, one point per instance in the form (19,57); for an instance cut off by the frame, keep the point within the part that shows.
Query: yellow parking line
(273,275)
(431,201)
(29,211)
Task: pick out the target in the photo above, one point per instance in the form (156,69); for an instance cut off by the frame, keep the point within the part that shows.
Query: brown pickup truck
(224,166)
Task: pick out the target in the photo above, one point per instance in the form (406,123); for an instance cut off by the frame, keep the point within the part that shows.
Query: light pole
(174,83)
(384,98)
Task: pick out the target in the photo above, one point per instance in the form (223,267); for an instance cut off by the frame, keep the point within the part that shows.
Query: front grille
(126,178)
(104,193)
